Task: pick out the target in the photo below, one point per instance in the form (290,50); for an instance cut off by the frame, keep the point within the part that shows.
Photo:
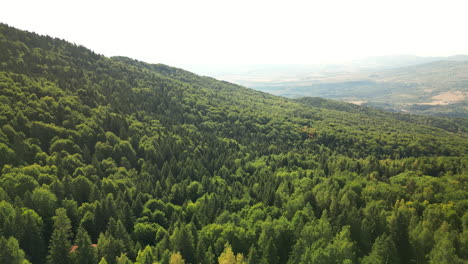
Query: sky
(177,32)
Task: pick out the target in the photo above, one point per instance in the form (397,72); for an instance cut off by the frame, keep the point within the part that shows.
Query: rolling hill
(437,87)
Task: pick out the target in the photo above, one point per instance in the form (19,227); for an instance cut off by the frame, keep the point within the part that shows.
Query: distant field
(435,88)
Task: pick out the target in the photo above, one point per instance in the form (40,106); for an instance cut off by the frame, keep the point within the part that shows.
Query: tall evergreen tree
(182,241)
(10,252)
(32,240)
(444,250)
(123,259)
(146,256)
(59,250)
(85,253)
(383,251)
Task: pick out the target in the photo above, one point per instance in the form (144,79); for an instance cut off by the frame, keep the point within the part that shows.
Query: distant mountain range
(393,61)
(422,85)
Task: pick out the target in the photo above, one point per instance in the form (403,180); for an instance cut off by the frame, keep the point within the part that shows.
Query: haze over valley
(412,84)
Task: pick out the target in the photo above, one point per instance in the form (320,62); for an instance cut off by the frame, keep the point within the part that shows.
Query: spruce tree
(10,252)
(59,250)
(85,253)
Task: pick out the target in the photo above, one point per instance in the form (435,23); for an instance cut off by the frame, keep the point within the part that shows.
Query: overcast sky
(177,32)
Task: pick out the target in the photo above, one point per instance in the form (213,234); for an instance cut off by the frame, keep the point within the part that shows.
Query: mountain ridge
(434,88)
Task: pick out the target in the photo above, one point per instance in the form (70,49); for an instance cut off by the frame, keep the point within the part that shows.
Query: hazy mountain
(437,87)
(384,62)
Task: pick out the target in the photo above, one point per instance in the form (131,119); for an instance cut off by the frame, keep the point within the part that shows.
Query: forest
(113,160)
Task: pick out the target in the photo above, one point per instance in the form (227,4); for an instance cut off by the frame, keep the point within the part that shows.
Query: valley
(431,86)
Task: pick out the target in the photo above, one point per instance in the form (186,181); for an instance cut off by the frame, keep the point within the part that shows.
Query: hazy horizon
(249,32)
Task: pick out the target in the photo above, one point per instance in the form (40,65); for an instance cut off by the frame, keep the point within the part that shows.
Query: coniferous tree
(123,259)
(146,256)
(443,250)
(252,256)
(109,247)
(182,241)
(85,253)
(383,251)
(270,253)
(32,240)
(103,261)
(59,250)
(10,252)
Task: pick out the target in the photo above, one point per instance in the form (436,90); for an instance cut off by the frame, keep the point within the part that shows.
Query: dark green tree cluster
(112,160)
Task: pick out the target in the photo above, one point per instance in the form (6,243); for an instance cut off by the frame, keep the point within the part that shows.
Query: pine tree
(103,261)
(123,259)
(252,256)
(10,252)
(85,253)
(270,253)
(32,240)
(146,256)
(444,250)
(182,241)
(59,250)
(383,251)
(109,247)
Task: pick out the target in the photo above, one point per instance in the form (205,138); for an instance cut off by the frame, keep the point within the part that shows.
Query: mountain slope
(437,88)
(457,125)
(148,160)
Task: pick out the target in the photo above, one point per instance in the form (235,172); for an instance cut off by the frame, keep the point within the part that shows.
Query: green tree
(181,241)
(8,217)
(227,257)
(10,252)
(146,256)
(44,202)
(59,246)
(444,250)
(123,259)
(343,246)
(110,247)
(270,253)
(145,233)
(85,252)
(383,251)
(176,258)
(32,240)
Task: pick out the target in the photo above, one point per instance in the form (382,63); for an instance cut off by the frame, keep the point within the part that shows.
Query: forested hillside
(112,160)
(435,86)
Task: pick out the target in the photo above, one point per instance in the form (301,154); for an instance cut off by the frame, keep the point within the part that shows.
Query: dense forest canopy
(112,160)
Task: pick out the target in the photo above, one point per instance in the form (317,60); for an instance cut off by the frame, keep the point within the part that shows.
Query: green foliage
(383,251)
(59,245)
(85,252)
(228,257)
(10,252)
(32,240)
(444,250)
(146,256)
(147,160)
